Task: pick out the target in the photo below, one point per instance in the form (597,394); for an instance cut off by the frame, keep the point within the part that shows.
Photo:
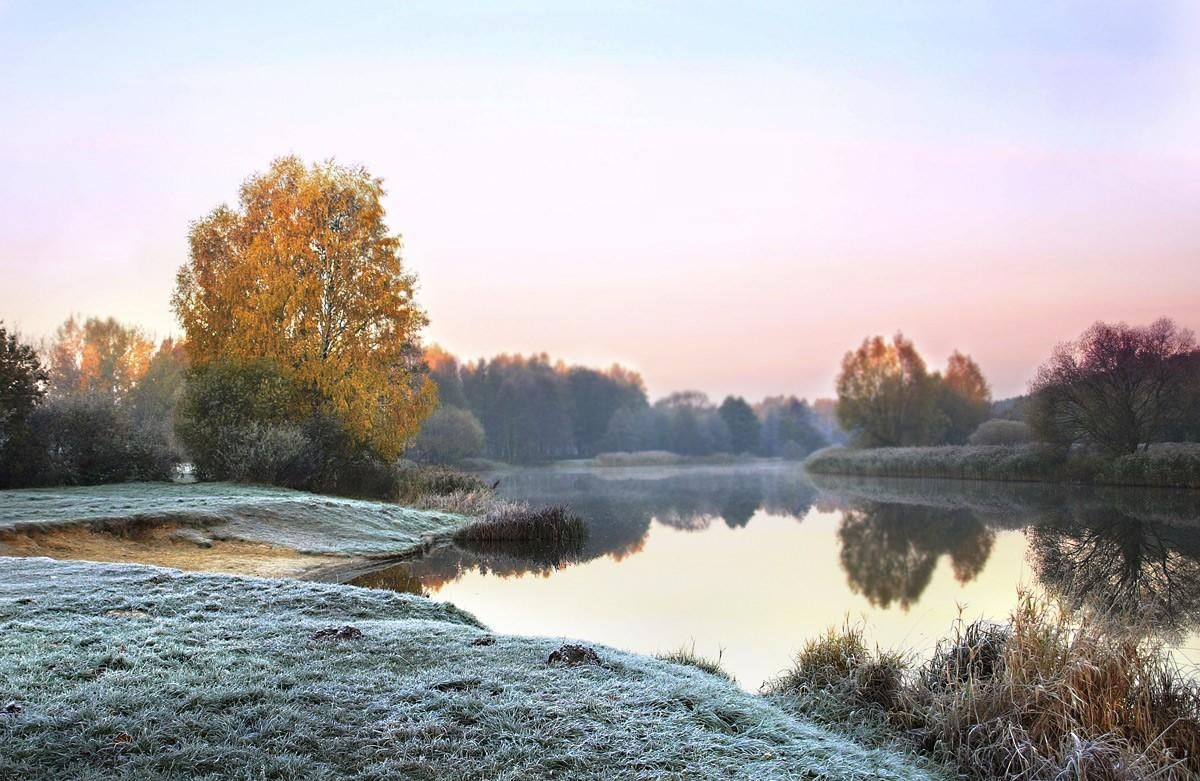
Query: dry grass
(554,527)
(688,656)
(1048,695)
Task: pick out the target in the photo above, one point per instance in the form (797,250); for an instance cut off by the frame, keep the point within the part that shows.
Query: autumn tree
(964,398)
(1117,387)
(304,273)
(886,397)
(97,356)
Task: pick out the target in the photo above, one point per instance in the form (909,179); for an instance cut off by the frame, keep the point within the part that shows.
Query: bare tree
(1118,386)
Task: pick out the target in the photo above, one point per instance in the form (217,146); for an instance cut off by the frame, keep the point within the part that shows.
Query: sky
(725,197)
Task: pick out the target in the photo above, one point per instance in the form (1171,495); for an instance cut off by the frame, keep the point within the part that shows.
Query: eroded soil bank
(167,544)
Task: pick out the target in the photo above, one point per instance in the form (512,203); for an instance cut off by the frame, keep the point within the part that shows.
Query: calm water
(749,562)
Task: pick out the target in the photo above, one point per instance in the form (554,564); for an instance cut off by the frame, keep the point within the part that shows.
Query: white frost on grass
(129,671)
(308,523)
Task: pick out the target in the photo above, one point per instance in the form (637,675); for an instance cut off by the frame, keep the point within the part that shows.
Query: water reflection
(1133,553)
(889,551)
(1136,571)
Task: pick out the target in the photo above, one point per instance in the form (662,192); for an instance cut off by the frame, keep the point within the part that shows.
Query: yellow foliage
(305,273)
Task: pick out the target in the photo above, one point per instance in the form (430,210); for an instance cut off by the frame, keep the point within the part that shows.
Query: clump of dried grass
(1047,695)
(554,526)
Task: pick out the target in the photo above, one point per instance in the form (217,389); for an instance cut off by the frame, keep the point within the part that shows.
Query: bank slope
(139,672)
(299,521)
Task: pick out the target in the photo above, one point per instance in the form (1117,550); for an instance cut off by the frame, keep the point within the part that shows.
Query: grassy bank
(1051,694)
(129,671)
(1165,465)
(214,527)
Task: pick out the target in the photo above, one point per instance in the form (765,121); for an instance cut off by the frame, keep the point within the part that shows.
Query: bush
(1002,432)
(448,436)
(89,440)
(231,418)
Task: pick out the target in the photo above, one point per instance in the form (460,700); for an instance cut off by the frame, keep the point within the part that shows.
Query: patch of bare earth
(165,545)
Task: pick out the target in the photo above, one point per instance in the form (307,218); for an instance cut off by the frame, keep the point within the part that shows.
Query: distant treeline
(527,409)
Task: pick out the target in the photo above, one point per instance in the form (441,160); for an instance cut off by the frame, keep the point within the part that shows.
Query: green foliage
(595,398)
(450,435)
(744,427)
(22,387)
(241,421)
(789,428)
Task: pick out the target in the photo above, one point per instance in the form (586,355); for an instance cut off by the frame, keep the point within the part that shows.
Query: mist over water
(748,562)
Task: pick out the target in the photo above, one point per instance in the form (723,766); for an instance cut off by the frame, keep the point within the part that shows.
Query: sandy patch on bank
(165,545)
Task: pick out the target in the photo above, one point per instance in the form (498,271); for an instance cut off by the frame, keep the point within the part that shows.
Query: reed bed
(1048,695)
(554,527)
(1168,464)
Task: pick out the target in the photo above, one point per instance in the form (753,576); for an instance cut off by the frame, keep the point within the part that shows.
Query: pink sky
(722,201)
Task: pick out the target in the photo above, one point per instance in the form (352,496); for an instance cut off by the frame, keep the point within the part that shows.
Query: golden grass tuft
(1047,695)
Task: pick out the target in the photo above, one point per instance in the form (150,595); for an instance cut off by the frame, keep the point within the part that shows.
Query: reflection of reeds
(1048,695)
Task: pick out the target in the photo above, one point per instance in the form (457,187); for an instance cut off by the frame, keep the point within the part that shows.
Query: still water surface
(750,561)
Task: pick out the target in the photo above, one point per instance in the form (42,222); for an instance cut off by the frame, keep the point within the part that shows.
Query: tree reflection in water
(1134,570)
(890,551)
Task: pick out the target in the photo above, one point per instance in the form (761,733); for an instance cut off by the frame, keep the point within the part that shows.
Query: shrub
(1002,432)
(450,435)
(228,418)
(87,440)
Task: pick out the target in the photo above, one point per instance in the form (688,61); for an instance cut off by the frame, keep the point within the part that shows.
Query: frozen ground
(303,522)
(127,671)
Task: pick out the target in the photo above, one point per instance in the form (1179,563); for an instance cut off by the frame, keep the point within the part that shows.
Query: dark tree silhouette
(22,387)
(1118,386)
(744,427)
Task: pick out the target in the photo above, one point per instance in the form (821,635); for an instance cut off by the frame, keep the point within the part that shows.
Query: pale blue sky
(725,196)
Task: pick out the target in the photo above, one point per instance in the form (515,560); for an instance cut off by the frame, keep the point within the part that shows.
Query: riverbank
(1164,465)
(122,671)
(215,527)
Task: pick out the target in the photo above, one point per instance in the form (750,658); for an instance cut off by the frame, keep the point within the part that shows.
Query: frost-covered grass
(307,523)
(1167,465)
(124,671)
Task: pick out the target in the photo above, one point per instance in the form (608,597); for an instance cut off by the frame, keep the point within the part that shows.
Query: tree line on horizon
(302,365)
(527,409)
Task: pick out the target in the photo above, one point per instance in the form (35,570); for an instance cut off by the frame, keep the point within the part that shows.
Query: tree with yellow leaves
(304,274)
(97,356)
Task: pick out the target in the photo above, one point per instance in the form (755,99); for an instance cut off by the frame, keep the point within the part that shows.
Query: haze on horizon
(721,199)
